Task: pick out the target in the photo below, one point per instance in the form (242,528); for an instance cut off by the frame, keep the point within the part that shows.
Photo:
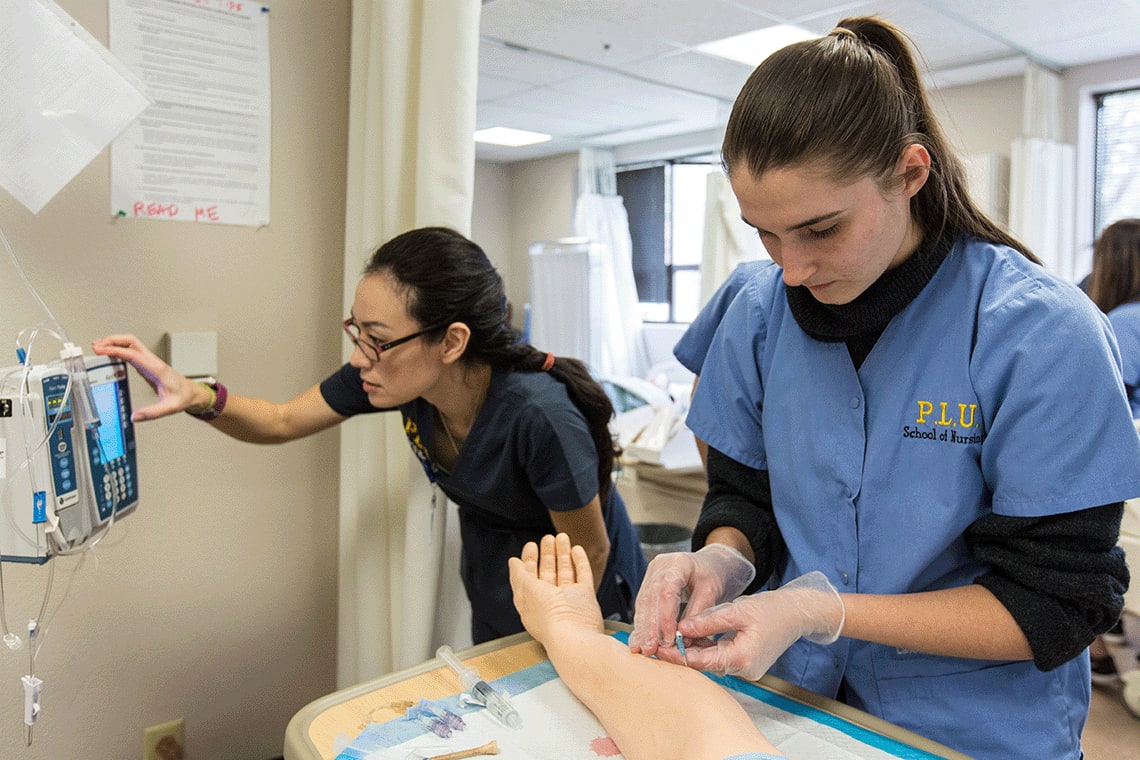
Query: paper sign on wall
(201,152)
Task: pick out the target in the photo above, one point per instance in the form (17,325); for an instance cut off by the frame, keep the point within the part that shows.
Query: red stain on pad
(604,746)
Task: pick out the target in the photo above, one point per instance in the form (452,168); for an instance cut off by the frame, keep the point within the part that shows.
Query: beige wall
(542,208)
(491,214)
(983,117)
(216,600)
(1084,80)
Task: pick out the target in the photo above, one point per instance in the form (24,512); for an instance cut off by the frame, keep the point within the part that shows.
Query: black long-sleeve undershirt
(1062,577)
(741,497)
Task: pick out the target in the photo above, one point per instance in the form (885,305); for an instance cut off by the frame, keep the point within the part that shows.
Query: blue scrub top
(997,389)
(1125,321)
(694,344)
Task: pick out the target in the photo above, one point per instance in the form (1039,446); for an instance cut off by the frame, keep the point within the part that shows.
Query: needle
(681,645)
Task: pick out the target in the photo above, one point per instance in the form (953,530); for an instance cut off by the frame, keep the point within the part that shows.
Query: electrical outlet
(166,741)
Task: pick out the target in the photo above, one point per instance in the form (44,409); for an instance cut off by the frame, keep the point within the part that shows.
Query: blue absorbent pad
(556,725)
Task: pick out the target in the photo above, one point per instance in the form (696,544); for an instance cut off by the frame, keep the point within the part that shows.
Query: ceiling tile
(621,70)
(556,28)
(520,66)
(492,88)
(695,72)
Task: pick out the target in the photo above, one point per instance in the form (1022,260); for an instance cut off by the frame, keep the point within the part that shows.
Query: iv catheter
(677,637)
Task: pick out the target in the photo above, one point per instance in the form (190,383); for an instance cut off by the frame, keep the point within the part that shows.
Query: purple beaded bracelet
(215,409)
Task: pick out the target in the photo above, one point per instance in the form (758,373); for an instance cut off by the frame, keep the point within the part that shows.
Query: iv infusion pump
(63,478)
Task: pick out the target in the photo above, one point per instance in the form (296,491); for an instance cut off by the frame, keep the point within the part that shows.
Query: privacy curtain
(600,216)
(727,240)
(411,163)
(1042,176)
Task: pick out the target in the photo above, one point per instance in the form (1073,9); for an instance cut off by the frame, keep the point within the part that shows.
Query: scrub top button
(855,403)
(845,578)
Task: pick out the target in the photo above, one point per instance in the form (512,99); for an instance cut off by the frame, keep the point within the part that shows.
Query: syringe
(480,690)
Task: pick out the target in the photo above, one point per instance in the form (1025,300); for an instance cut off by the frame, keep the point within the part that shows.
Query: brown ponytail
(853,100)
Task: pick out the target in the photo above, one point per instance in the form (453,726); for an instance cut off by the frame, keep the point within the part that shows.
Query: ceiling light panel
(753,47)
(511,138)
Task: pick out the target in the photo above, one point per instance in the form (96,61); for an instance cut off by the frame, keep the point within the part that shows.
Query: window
(665,202)
(1116,189)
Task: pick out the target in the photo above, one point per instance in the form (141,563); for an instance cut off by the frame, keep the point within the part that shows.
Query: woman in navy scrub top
(518,438)
(919,439)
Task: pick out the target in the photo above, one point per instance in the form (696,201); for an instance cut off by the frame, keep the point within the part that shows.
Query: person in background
(1114,286)
(518,438)
(916,433)
(691,349)
(684,715)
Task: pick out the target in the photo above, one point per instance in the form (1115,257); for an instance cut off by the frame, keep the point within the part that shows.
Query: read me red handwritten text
(153,210)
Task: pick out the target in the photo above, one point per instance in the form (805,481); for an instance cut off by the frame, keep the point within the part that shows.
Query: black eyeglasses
(372,350)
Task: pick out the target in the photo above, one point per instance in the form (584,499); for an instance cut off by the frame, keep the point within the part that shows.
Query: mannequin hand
(554,589)
(713,574)
(765,624)
(176,393)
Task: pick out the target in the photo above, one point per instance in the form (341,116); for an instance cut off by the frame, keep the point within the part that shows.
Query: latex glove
(713,574)
(762,626)
(176,393)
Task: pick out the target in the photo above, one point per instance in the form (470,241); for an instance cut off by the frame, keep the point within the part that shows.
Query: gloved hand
(712,574)
(765,624)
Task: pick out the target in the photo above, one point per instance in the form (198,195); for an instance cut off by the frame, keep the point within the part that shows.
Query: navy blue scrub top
(528,453)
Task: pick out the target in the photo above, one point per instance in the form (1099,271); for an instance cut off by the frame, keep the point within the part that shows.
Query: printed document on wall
(63,98)
(200,153)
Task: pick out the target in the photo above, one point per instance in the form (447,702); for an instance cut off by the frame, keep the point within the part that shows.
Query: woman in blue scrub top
(518,438)
(691,349)
(919,439)
(1114,286)
(693,346)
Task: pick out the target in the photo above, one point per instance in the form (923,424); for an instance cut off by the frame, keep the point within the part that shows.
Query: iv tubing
(24,277)
(71,362)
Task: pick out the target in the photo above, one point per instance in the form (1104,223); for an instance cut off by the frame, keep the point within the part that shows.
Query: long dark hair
(1115,277)
(853,100)
(447,278)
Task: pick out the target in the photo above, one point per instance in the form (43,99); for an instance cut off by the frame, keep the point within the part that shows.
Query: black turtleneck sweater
(861,322)
(1061,577)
